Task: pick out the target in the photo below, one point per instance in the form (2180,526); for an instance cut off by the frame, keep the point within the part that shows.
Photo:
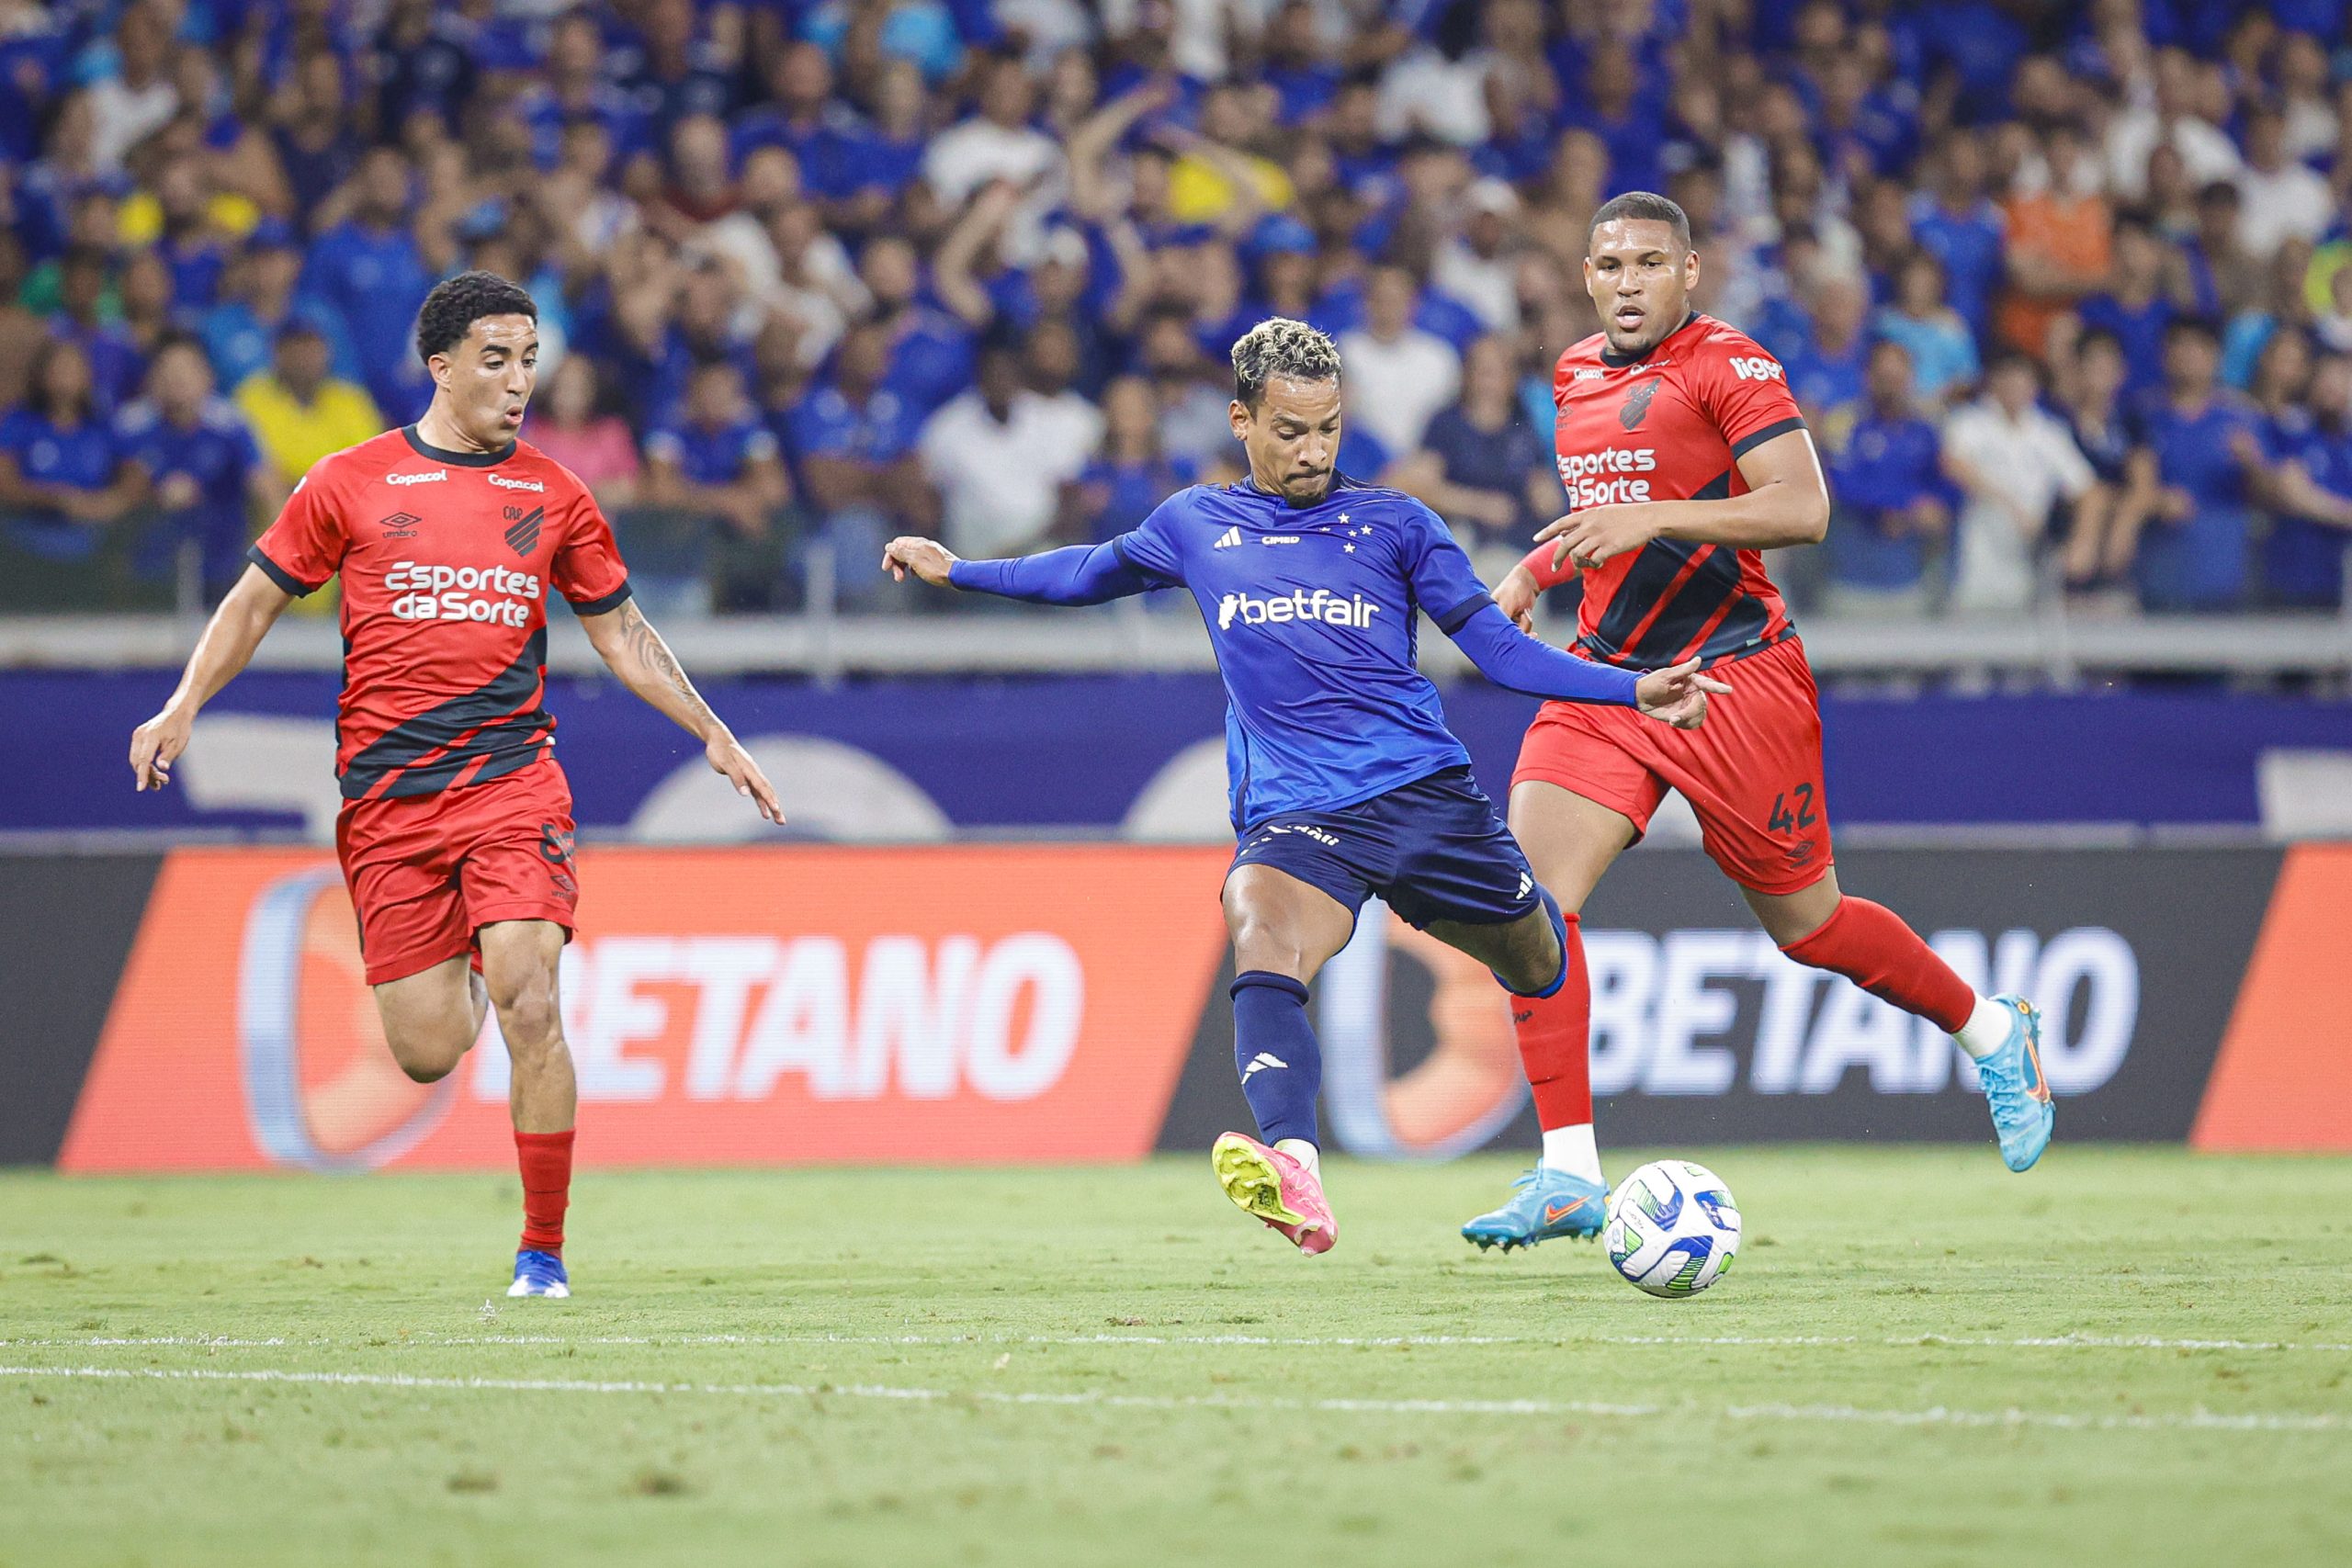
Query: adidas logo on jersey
(1298,605)
(1229,540)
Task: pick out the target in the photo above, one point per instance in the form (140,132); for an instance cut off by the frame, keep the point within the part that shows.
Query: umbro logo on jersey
(1637,403)
(503,482)
(399,524)
(435,477)
(1229,540)
(1259,1063)
(524,536)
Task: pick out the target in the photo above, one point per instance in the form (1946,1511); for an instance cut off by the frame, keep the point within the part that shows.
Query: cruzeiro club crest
(1637,403)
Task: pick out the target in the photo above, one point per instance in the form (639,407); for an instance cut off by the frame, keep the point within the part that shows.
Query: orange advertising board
(723,1007)
(2283,1079)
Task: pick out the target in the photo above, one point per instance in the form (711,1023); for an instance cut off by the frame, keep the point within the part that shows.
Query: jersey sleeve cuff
(278,574)
(1755,439)
(604,606)
(1451,621)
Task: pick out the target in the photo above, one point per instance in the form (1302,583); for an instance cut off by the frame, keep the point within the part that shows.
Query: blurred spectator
(2135,305)
(930,353)
(2013,464)
(22,331)
(718,466)
(1130,473)
(135,99)
(1959,225)
(2308,482)
(61,475)
(1888,499)
(240,332)
(1478,265)
(2187,516)
(997,143)
(1942,351)
(571,423)
(2098,417)
(315,143)
(202,468)
(1397,375)
(2223,280)
(113,359)
(1828,371)
(1481,463)
(855,440)
(298,410)
(2282,199)
(2058,242)
(1192,403)
(370,269)
(998,454)
(2169,119)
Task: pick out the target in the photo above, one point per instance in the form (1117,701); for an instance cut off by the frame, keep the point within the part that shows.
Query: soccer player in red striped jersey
(1685,457)
(456,833)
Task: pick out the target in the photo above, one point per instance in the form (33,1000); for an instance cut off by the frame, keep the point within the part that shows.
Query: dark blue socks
(1274,1050)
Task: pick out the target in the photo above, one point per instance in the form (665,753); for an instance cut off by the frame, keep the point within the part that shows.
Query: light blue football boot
(1544,1204)
(2015,1091)
(539,1274)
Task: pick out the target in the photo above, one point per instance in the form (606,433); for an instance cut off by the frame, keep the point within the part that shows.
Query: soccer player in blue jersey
(1345,782)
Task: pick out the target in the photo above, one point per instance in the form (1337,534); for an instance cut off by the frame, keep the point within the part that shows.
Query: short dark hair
(1643,207)
(2193,326)
(457,303)
(1279,347)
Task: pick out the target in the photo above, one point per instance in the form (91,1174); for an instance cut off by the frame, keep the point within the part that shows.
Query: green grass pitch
(2130,1356)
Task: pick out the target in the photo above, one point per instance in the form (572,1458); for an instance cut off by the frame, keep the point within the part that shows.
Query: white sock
(1572,1149)
(1987,1029)
(1304,1153)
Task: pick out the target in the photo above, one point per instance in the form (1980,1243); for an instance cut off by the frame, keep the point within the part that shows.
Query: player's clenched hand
(1677,696)
(927,558)
(1515,596)
(1594,534)
(156,744)
(726,756)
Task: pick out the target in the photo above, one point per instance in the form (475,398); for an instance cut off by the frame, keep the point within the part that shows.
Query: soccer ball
(1673,1228)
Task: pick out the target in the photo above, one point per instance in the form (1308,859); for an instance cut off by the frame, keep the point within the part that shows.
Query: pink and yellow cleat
(1277,1189)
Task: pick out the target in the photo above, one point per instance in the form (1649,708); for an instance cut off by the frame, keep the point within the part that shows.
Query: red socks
(1869,945)
(546,1162)
(1555,1042)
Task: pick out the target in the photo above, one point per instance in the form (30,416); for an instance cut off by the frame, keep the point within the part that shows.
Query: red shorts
(1752,772)
(429,871)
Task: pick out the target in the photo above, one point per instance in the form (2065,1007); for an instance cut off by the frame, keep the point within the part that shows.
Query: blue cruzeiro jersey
(1311,612)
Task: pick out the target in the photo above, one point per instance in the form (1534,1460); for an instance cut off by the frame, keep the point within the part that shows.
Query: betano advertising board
(1026,1003)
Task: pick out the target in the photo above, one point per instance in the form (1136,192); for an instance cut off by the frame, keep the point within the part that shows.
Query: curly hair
(1279,347)
(457,303)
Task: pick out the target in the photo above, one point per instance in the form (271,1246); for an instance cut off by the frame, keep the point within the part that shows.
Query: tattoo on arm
(653,655)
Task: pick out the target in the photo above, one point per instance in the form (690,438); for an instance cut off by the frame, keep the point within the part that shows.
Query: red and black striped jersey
(1671,424)
(445,559)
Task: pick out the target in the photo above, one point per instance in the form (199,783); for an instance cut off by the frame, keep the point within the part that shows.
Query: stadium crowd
(2066,291)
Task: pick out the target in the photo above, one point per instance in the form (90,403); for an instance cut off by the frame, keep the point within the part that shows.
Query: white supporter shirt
(967,156)
(2020,466)
(1002,480)
(1395,388)
(2289,203)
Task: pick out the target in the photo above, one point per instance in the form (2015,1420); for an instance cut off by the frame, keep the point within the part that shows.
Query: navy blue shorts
(1434,849)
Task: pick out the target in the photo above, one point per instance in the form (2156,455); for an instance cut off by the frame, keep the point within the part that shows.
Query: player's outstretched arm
(635,652)
(1787,503)
(244,617)
(1077,574)
(1511,658)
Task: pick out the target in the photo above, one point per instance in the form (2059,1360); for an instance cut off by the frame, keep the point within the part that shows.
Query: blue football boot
(1544,1204)
(539,1274)
(2016,1091)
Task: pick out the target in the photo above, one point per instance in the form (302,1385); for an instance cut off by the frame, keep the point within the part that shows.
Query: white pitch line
(1938,1416)
(1797,1341)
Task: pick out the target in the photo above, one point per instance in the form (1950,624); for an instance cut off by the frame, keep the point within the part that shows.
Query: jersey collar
(462,459)
(1616,361)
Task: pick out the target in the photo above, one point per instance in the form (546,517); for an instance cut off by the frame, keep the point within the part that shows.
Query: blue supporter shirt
(1887,466)
(2303,561)
(932,359)
(707,456)
(2140,331)
(239,344)
(1311,612)
(377,279)
(219,453)
(81,458)
(1969,244)
(1120,496)
(2199,564)
(825,423)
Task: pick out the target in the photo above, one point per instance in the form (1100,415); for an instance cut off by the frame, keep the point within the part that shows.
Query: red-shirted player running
(456,830)
(1684,455)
